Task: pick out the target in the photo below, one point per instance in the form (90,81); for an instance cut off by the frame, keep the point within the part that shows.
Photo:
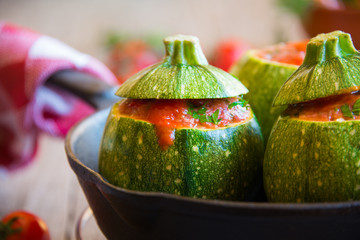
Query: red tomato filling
(168,115)
(334,108)
(290,53)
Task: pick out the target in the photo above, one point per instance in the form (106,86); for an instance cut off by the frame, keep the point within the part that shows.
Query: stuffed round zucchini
(183,128)
(313,152)
(263,72)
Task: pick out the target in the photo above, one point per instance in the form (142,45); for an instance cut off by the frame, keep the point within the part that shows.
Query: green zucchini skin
(307,161)
(330,67)
(166,81)
(263,78)
(224,163)
(184,73)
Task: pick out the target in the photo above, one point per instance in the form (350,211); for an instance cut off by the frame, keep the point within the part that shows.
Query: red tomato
(327,109)
(21,225)
(169,114)
(228,52)
(128,58)
(176,114)
(290,53)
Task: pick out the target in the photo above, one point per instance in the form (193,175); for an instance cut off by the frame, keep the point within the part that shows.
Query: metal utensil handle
(93,91)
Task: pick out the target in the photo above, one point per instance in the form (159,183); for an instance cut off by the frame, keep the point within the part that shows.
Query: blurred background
(86,24)
(92,26)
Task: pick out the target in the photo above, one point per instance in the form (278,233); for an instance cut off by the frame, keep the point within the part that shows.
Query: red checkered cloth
(27,107)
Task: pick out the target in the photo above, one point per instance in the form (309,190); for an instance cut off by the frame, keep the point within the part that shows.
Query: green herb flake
(356,108)
(201,114)
(203,118)
(215,117)
(231,105)
(345,109)
(241,102)
(195,115)
(202,110)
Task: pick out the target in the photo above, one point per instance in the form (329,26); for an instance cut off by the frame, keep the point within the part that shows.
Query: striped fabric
(27,107)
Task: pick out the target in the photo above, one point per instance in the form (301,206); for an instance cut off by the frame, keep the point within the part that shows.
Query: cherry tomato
(21,225)
(127,58)
(227,52)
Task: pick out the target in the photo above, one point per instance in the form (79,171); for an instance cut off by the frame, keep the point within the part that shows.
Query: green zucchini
(263,78)
(308,161)
(221,163)
(212,164)
(183,74)
(316,161)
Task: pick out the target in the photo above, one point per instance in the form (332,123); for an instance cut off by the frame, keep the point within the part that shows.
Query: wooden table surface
(47,187)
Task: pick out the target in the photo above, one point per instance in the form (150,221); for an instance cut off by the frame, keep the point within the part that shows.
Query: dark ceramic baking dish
(125,214)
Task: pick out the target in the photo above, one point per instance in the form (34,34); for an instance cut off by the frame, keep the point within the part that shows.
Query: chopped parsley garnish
(202,110)
(201,114)
(215,117)
(349,113)
(345,109)
(241,102)
(356,108)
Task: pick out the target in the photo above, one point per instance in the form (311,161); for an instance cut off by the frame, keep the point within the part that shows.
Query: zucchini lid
(184,73)
(331,67)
